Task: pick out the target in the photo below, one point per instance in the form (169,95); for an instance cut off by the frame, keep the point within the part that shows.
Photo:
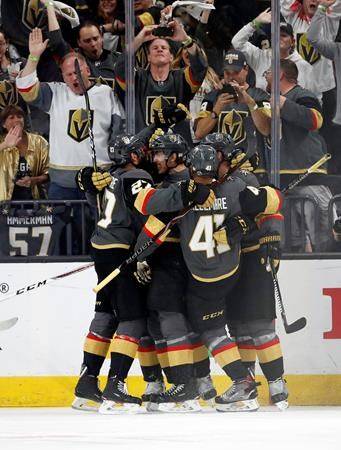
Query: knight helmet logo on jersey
(78,128)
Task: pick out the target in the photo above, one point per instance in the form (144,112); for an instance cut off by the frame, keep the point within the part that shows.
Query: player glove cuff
(233,230)
(198,194)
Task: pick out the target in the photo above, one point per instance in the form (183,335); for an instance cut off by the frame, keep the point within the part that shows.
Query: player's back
(119,221)
(205,258)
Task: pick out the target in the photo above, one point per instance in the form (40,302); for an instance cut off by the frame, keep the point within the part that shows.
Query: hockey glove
(272,251)
(198,194)
(143,273)
(233,230)
(170,115)
(84,180)
(158,132)
(101,180)
(250,164)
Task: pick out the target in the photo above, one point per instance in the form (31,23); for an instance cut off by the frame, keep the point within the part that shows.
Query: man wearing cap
(225,110)
(260,59)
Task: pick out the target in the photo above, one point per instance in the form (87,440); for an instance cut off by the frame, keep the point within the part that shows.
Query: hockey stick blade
(295,326)
(6,324)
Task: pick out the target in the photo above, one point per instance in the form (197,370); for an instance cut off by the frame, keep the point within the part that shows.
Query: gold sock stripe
(269,354)
(180,357)
(96,347)
(124,346)
(227,356)
(200,354)
(148,358)
(248,355)
(163,359)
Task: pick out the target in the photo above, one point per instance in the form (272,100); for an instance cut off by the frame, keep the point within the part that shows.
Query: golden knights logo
(306,50)
(78,128)
(231,122)
(33,14)
(153,103)
(8,94)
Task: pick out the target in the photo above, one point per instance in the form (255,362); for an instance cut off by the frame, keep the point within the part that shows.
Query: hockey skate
(153,387)
(241,396)
(116,399)
(178,398)
(206,389)
(88,394)
(279,393)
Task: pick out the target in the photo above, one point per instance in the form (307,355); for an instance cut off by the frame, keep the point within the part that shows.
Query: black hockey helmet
(123,146)
(203,160)
(170,143)
(221,142)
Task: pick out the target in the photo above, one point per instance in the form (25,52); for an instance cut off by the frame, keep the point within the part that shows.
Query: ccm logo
(213,315)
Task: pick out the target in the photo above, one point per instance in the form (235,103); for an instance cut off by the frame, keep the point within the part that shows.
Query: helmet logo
(78,128)
(153,103)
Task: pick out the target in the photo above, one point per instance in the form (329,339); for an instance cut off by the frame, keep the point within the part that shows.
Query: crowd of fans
(217,62)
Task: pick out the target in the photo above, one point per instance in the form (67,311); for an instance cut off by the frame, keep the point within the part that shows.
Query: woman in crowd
(24,158)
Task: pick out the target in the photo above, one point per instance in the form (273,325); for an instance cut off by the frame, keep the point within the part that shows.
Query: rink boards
(41,355)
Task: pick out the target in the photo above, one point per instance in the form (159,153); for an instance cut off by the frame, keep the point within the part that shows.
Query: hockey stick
(42,283)
(294,326)
(148,243)
(301,322)
(9,323)
(89,123)
(304,175)
(164,230)
(88,113)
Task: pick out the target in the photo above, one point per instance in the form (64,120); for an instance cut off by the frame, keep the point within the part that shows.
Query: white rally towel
(68,12)
(195,9)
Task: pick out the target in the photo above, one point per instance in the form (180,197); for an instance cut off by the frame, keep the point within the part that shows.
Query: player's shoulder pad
(262,200)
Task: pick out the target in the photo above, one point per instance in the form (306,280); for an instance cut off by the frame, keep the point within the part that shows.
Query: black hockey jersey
(180,87)
(207,260)
(119,222)
(232,119)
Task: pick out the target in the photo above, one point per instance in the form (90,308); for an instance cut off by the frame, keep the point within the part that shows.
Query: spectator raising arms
(299,14)
(23,158)
(175,86)
(90,42)
(327,48)
(260,59)
(69,132)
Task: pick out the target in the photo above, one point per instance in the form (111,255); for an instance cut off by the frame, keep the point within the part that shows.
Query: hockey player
(180,352)
(213,267)
(114,236)
(119,306)
(252,316)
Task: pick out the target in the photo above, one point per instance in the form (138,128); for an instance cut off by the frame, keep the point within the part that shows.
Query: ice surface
(298,428)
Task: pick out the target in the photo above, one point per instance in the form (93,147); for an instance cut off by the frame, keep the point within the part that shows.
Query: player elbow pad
(263,200)
(153,226)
